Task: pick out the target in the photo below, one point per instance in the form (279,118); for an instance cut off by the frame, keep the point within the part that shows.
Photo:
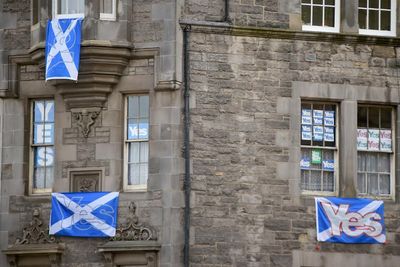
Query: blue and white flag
(350,220)
(63,46)
(84,214)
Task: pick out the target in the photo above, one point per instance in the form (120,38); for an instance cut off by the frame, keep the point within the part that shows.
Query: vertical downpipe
(186,126)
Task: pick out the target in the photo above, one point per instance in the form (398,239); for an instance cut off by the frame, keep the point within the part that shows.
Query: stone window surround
(347,97)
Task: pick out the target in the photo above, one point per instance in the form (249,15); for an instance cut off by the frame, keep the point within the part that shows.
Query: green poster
(316,157)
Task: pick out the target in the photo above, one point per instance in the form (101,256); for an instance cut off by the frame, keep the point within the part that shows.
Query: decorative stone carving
(134,230)
(85,181)
(85,119)
(36,247)
(35,233)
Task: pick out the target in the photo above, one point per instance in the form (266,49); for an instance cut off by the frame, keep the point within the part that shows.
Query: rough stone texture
(243,212)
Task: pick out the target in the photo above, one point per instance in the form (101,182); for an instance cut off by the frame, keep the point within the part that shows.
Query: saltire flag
(350,220)
(63,46)
(84,214)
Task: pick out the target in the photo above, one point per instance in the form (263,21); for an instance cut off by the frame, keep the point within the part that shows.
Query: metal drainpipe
(186,126)
(226,15)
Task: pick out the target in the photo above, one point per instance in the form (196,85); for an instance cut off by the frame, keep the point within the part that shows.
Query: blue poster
(329,134)
(306,117)
(329,119)
(318,133)
(84,214)
(350,220)
(138,131)
(328,165)
(305,163)
(306,132)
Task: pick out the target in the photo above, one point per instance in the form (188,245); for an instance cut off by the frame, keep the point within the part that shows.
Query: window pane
(362,3)
(385,4)
(329,16)
(362,117)
(317,16)
(384,162)
(305,176)
(106,6)
(328,181)
(133,107)
(133,174)
(384,184)
(144,151)
(372,162)
(315,181)
(38,178)
(144,106)
(361,161)
(385,20)
(143,172)
(35,11)
(319,2)
(373,20)
(372,184)
(361,183)
(49,177)
(386,118)
(306,1)
(330,2)
(134,150)
(362,18)
(306,14)
(373,117)
(374,3)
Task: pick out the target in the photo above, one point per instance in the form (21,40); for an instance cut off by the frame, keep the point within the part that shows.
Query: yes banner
(63,46)
(84,214)
(350,220)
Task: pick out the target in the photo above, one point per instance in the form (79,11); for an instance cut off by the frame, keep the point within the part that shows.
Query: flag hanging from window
(84,214)
(63,45)
(350,220)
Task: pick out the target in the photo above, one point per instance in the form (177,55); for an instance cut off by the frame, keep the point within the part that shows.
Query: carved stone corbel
(85,120)
(36,247)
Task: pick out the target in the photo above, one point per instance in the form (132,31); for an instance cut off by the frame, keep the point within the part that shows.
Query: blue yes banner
(84,214)
(63,46)
(350,220)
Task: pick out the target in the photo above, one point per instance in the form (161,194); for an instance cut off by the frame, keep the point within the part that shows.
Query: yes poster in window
(305,163)
(329,119)
(362,139)
(385,140)
(318,133)
(329,134)
(373,139)
(306,132)
(306,117)
(318,116)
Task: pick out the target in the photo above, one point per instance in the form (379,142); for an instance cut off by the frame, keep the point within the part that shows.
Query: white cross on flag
(84,214)
(63,43)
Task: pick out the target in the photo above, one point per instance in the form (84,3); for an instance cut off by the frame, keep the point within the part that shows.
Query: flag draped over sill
(63,45)
(350,220)
(84,214)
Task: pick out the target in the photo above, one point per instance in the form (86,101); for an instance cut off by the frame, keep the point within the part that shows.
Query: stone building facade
(251,68)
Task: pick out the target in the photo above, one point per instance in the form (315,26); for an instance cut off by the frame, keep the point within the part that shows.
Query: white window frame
(110,16)
(393,18)
(392,155)
(65,16)
(334,29)
(126,186)
(335,149)
(37,191)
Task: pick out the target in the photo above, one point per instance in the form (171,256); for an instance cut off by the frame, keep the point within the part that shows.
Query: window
(42,146)
(320,15)
(137,142)
(108,9)
(69,8)
(375,150)
(318,147)
(35,12)
(377,17)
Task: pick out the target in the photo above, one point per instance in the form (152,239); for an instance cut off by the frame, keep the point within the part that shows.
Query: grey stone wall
(247,209)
